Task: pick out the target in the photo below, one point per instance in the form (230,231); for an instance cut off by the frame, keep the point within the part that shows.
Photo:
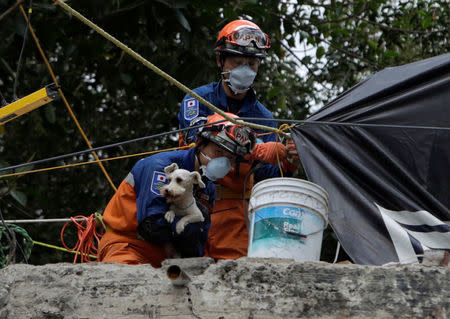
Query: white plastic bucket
(287,219)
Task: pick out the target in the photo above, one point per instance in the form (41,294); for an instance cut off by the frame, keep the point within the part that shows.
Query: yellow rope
(278,158)
(158,71)
(92,162)
(72,114)
(282,128)
(60,248)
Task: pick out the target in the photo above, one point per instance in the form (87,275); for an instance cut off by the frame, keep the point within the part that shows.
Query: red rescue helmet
(236,139)
(242,37)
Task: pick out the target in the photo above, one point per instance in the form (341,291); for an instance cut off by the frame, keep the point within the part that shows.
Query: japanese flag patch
(159,180)
(190,107)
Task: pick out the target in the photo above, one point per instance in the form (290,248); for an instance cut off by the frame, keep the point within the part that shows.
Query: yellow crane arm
(28,103)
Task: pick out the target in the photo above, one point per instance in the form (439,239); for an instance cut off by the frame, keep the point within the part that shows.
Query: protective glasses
(245,36)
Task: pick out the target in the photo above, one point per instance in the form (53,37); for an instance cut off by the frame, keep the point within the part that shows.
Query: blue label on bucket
(280,221)
(284,232)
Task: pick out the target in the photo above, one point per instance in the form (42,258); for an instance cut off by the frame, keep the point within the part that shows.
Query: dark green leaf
(372,44)
(3,164)
(391,54)
(182,19)
(320,52)
(177,4)
(273,92)
(127,79)
(20,197)
(427,22)
(44,6)
(338,10)
(50,113)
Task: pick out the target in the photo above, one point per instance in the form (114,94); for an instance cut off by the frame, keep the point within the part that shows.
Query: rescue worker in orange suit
(137,232)
(240,48)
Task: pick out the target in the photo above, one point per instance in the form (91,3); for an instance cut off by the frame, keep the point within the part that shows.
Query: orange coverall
(228,235)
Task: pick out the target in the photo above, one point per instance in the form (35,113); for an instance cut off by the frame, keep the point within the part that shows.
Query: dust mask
(241,79)
(216,168)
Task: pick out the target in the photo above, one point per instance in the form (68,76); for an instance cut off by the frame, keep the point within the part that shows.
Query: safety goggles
(245,36)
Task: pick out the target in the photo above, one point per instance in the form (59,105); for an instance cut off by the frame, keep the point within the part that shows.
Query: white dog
(179,193)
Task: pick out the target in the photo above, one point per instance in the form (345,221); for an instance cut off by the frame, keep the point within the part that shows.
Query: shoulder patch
(159,179)
(190,107)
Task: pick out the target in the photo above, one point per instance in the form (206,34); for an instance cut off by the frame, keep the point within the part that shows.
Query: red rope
(88,237)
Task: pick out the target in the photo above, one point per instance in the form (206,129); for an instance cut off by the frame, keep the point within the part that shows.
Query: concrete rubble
(245,288)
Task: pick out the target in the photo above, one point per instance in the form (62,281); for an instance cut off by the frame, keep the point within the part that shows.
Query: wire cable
(153,67)
(21,51)
(63,97)
(91,162)
(14,167)
(38,221)
(304,122)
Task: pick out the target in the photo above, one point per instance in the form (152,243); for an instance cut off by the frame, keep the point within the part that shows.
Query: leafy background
(319,49)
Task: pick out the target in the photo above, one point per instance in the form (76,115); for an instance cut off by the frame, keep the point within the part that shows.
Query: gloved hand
(292,161)
(267,152)
(189,243)
(155,229)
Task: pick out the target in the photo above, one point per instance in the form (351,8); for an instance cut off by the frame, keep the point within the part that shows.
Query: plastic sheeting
(388,174)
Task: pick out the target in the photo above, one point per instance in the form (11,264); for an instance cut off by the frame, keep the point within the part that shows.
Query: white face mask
(216,168)
(241,79)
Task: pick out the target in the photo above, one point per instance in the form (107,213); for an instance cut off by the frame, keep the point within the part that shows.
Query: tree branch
(297,58)
(344,51)
(127,8)
(11,9)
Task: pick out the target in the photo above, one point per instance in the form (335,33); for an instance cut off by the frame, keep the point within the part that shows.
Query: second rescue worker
(240,48)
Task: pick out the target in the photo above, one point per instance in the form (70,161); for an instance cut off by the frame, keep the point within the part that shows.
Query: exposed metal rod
(177,276)
(54,220)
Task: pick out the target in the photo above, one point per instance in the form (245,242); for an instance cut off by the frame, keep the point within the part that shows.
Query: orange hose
(88,237)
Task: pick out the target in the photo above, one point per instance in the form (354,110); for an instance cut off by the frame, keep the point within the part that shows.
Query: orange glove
(267,152)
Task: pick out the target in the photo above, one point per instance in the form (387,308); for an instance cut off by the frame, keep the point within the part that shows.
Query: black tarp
(395,159)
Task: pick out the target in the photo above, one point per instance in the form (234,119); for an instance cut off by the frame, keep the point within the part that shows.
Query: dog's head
(181,183)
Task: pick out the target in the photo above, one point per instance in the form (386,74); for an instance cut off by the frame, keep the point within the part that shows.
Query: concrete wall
(246,288)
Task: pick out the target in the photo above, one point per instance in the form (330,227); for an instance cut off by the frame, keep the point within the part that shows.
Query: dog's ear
(169,169)
(197,179)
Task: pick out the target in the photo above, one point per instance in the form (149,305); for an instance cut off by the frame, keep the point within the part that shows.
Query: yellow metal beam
(28,103)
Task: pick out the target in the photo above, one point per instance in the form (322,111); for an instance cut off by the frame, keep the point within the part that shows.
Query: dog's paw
(180,226)
(169,216)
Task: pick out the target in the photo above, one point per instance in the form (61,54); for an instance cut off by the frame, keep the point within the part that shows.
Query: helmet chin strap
(200,169)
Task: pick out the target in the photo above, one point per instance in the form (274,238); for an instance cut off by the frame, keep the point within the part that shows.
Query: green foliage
(115,98)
